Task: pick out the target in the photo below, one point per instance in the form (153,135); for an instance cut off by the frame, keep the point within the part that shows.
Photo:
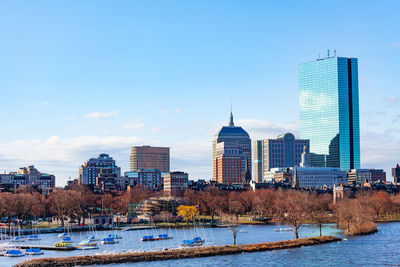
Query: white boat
(14,253)
(92,238)
(88,242)
(18,239)
(115,236)
(63,235)
(283,229)
(109,240)
(34,251)
(33,238)
(66,240)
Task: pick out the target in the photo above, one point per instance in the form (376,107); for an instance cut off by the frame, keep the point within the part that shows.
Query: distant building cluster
(28,176)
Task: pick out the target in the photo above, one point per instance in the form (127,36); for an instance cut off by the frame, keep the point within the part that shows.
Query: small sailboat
(92,238)
(88,242)
(115,236)
(198,240)
(14,253)
(63,235)
(188,243)
(34,251)
(109,240)
(148,238)
(163,237)
(33,238)
(283,229)
(18,239)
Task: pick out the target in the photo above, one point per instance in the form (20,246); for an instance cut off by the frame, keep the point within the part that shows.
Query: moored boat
(198,240)
(148,238)
(188,243)
(34,251)
(18,239)
(109,240)
(33,238)
(14,253)
(163,237)
(63,235)
(88,242)
(115,236)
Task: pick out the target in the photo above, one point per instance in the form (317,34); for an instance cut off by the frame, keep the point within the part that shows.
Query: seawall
(175,253)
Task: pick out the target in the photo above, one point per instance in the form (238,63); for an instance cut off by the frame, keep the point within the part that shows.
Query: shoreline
(176,253)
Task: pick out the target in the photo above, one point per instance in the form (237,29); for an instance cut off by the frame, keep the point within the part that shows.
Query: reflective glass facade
(329,112)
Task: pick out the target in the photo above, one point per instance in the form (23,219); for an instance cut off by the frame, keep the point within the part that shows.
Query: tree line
(355,214)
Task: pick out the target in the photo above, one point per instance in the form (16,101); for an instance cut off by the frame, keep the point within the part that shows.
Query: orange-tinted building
(228,164)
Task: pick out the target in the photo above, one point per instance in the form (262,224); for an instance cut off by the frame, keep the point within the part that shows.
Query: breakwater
(175,253)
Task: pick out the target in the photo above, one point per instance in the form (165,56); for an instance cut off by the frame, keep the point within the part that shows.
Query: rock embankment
(175,253)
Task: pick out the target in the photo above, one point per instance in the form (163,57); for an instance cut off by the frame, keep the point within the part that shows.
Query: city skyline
(75,87)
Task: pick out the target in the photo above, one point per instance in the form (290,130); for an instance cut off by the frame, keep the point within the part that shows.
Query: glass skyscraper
(329,112)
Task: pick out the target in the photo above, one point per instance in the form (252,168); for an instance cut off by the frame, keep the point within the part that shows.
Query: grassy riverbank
(175,254)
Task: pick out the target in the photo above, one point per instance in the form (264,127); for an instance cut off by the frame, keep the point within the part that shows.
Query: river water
(378,249)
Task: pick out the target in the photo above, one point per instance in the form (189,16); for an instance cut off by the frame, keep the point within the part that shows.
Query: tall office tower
(258,160)
(147,157)
(95,167)
(329,113)
(234,136)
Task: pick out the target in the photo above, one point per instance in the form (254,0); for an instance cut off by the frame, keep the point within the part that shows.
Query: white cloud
(263,129)
(101,115)
(135,124)
(178,110)
(63,157)
(163,111)
(392,99)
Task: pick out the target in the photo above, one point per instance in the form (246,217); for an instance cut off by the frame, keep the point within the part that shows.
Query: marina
(131,240)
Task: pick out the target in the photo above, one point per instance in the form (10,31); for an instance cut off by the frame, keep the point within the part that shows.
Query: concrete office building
(282,152)
(329,111)
(233,136)
(148,157)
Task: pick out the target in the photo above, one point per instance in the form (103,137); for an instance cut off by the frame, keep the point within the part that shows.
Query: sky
(80,78)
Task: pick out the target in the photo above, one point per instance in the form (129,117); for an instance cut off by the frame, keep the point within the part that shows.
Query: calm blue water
(373,250)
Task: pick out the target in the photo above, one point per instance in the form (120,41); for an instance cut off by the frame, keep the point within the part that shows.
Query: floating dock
(47,247)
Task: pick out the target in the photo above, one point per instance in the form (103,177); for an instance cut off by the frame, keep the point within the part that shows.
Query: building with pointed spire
(233,137)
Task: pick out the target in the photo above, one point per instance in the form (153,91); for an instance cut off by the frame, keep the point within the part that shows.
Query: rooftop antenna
(319,56)
(328,53)
(231,124)
(334,53)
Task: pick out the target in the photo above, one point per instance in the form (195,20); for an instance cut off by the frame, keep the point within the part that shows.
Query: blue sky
(78,78)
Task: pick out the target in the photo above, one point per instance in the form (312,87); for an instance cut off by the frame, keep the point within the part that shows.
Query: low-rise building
(152,179)
(318,177)
(175,183)
(360,176)
(29,176)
